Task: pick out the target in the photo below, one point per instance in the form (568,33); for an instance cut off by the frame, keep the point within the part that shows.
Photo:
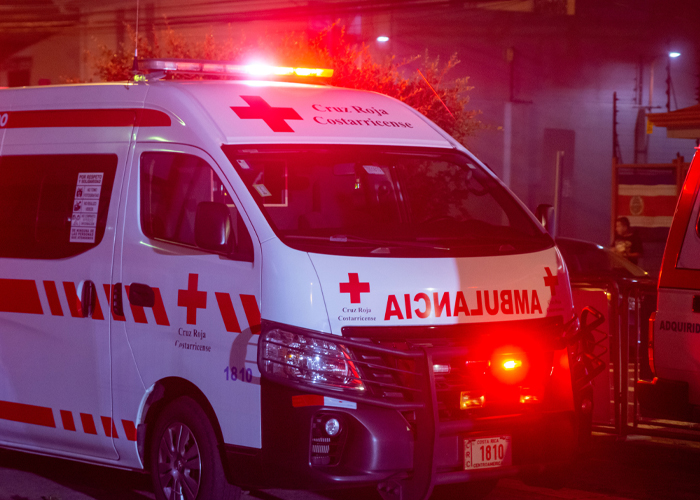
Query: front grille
(389,377)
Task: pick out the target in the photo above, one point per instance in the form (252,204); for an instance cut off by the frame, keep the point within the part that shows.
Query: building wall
(556,73)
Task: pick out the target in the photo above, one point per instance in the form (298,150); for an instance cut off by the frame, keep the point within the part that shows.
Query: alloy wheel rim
(179,463)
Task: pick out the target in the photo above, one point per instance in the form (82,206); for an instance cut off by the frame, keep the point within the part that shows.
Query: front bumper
(406,448)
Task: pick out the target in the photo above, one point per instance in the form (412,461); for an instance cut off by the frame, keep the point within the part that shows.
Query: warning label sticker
(89,206)
(82,235)
(85,205)
(87,179)
(87,220)
(87,192)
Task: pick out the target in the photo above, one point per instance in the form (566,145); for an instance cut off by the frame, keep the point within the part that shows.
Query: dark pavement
(638,468)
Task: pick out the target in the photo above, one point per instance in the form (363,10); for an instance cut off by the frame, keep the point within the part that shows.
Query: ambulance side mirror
(545,214)
(213,230)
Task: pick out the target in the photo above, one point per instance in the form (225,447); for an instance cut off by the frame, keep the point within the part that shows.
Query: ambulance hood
(271,112)
(375,292)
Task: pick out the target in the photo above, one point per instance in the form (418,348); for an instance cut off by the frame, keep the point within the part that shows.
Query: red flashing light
(224,68)
(512,364)
(509,364)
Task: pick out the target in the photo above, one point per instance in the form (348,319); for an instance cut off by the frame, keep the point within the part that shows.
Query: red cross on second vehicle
(259,109)
(551,281)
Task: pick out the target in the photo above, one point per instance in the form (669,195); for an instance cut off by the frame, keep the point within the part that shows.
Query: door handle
(117,304)
(141,295)
(696,303)
(88,298)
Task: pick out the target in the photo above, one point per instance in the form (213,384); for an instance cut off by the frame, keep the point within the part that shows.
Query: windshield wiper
(342,238)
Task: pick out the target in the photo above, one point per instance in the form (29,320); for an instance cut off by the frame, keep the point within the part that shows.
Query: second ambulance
(270,284)
(674,344)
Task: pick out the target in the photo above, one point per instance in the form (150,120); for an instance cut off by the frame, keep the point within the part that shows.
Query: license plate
(487,452)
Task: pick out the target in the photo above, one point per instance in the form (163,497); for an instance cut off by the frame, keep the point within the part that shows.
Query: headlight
(303,358)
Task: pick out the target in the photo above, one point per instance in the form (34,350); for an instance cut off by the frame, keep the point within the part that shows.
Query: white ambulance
(674,330)
(271,284)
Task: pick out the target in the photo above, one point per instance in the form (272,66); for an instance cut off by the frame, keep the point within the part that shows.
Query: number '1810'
(233,374)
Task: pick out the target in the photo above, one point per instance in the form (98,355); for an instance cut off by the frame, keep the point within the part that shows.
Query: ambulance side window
(689,254)
(54,206)
(172,187)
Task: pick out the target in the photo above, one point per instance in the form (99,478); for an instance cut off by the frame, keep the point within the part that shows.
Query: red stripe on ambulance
(67,420)
(159,309)
(19,296)
(42,415)
(22,296)
(252,312)
(88,423)
(27,414)
(109,427)
(227,312)
(86,118)
(52,296)
(129,430)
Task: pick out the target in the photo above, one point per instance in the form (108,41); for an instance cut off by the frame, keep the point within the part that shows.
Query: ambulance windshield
(379,201)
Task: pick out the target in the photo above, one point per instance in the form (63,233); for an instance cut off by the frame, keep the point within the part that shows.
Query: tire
(184,456)
(464,491)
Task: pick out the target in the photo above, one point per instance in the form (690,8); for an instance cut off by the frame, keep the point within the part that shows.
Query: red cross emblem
(260,110)
(551,281)
(354,288)
(192,299)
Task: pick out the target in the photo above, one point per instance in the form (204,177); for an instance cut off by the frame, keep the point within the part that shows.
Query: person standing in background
(627,242)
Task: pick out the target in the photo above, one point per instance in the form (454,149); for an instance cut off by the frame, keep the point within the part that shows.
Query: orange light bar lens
(222,67)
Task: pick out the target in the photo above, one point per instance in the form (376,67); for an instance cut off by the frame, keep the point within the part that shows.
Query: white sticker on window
(86,220)
(85,205)
(82,235)
(373,169)
(87,192)
(262,190)
(243,164)
(94,179)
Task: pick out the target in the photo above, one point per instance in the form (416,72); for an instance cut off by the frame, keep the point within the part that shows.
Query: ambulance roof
(274,112)
(245,112)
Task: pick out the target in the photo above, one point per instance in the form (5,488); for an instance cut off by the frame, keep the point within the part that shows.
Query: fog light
(529,395)
(332,426)
(441,368)
(470,399)
(528,398)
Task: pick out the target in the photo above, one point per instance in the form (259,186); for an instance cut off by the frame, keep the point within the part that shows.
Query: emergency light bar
(223,68)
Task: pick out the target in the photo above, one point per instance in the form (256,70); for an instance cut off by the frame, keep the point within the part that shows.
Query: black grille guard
(418,484)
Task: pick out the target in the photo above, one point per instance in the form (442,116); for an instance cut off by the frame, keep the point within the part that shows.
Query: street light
(669,84)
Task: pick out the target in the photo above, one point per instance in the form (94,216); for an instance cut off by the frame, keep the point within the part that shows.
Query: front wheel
(184,457)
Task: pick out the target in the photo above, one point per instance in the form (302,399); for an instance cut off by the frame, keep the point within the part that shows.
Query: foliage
(420,82)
